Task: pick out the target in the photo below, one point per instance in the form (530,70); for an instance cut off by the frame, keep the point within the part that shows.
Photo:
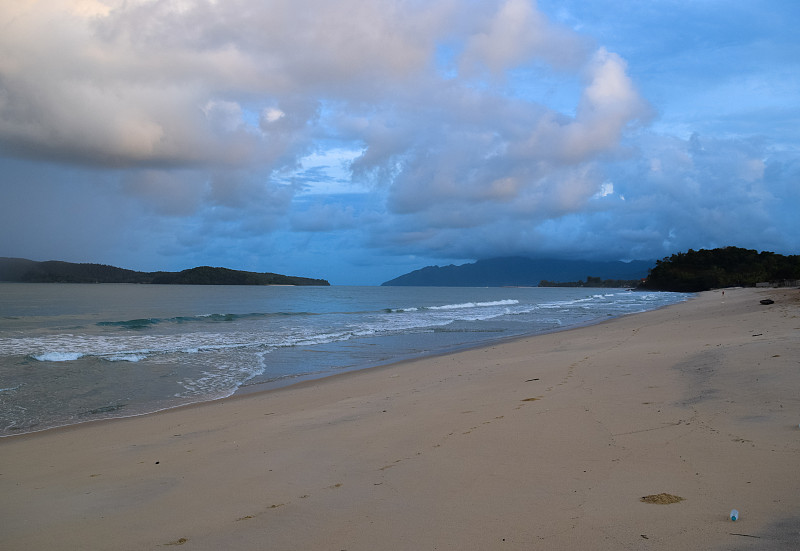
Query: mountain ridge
(22,270)
(521,271)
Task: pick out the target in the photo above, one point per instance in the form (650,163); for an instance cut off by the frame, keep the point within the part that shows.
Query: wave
(57,356)
(507,302)
(140,347)
(466,330)
(127,357)
(144,323)
(459,306)
(111,408)
(222,380)
(130,324)
(136,347)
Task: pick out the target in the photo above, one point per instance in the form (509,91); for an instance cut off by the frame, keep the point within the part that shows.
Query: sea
(71,353)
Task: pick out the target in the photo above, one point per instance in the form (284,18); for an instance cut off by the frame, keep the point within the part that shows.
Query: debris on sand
(661,499)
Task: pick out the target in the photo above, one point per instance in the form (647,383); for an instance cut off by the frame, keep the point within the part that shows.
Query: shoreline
(281,384)
(246,390)
(544,441)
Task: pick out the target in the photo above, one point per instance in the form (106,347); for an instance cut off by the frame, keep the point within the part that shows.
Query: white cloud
(145,84)
(272,114)
(517,34)
(606,189)
(446,128)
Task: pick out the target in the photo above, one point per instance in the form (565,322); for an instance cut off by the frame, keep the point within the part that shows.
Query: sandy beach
(546,442)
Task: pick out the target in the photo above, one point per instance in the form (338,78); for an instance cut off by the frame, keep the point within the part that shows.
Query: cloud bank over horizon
(358,140)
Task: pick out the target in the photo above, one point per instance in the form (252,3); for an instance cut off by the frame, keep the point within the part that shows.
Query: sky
(358,140)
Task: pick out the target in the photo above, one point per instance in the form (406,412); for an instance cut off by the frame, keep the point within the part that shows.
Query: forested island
(53,271)
(695,271)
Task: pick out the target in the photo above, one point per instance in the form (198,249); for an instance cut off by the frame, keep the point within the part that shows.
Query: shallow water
(71,353)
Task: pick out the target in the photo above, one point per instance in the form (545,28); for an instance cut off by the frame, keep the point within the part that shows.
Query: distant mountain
(520,271)
(54,271)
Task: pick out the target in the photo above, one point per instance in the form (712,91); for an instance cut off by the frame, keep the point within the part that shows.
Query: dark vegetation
(593,282)
(695,271)
(52,271)
(206,275)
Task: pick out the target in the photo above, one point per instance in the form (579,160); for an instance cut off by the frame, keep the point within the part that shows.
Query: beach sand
(546,442)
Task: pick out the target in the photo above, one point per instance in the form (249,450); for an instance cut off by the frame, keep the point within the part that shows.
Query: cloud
(674,195)
(147,83)
(439,129)
(324,217)
(489,148)
(167,192)
(517,34)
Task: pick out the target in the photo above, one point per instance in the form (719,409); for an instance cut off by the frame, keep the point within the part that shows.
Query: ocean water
(71,353)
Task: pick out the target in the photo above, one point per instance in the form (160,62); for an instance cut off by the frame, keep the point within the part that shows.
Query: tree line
(593,282)
(695,271)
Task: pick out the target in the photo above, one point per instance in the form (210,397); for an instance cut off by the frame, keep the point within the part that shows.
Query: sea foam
(57,356)
(508,302)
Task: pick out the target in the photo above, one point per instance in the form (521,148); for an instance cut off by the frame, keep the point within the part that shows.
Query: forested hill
(702,270)
(53,271)
(520,271)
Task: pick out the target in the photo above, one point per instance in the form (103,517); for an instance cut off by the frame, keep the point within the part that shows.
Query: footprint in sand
(254,515)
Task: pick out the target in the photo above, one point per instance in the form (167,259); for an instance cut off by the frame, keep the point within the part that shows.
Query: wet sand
(546,442)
